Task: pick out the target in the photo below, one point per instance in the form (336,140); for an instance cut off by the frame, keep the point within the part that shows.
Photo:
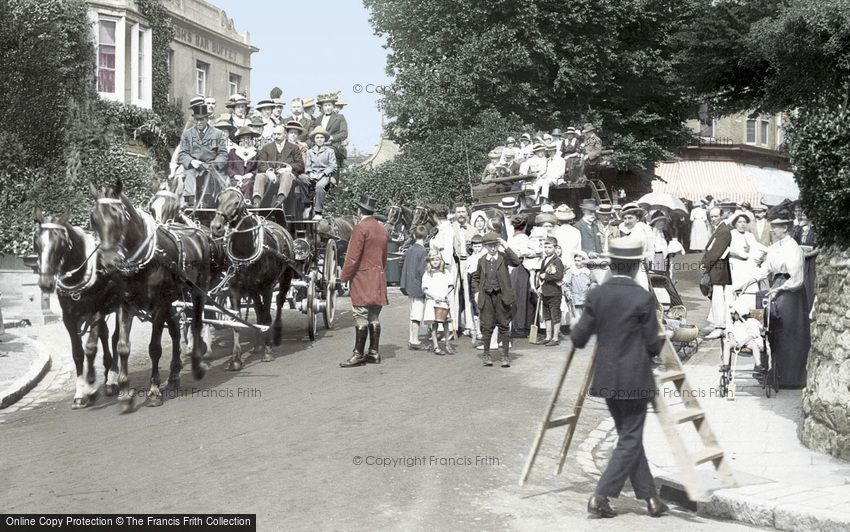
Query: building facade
(759,130)
(207,57)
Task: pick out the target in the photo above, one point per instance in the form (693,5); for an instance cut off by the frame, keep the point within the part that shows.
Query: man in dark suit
(715,261)
(280,161)
(622,315)
(589,229)
(299,116)
(365,265)
(203,155)
(491,283)
(336,126)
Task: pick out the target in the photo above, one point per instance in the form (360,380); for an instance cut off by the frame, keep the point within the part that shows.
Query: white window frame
(120,29)
(230,83)
(755,131)
(206,76)
(764,127)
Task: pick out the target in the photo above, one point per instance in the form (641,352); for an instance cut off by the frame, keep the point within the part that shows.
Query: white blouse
(640,232)
(784,257)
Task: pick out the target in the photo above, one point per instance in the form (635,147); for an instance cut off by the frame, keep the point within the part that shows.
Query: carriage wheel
(311,307)
(724,385)
(331,275)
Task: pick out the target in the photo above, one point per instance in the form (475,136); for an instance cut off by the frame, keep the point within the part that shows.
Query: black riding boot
(357,358)
(374,356)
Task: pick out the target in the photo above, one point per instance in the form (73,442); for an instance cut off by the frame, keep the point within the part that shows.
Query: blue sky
(332,47)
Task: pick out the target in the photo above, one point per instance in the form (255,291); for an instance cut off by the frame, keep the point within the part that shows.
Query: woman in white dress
(744,254)
(699,227)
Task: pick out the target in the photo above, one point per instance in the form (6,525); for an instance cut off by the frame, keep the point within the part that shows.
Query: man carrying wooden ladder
(622,315)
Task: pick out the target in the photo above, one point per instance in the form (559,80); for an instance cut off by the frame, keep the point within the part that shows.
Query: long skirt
(522,312)
(809,281)
(789,335)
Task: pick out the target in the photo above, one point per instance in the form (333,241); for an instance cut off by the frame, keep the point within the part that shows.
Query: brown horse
(257,254)
(67,263)
(156,266)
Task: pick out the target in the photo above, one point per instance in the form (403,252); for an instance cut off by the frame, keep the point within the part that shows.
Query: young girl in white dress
(438,285)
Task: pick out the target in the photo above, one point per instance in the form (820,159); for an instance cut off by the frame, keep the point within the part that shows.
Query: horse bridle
(241,210)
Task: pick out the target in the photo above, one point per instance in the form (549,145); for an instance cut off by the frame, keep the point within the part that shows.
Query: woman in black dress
(789,330)
(805,235)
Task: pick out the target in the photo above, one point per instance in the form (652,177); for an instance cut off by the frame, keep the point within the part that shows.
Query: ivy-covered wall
(65,137)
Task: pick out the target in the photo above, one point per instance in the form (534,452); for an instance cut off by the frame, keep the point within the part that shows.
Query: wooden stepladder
(570,420)
(692,412)
(667,416)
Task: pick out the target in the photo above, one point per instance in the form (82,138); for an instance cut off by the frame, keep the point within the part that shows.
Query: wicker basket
(685,333)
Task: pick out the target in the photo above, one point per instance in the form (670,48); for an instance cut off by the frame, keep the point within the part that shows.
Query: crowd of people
(289,161)
(751,257)
(553,258)
(545,160)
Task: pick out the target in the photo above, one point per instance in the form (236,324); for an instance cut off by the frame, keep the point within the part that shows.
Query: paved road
(283,439)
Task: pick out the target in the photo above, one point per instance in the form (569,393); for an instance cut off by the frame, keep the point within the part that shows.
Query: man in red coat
(365,262)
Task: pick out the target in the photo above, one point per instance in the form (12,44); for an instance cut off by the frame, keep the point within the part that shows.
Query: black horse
(67,263)
(155,266)
(258,255)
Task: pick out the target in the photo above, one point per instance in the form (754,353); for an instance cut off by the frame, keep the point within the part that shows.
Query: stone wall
(826,399)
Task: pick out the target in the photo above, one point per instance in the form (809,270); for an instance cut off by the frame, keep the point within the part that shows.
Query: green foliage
(441,168)
(819,144)
(549,63)
(64,136)
(791,56)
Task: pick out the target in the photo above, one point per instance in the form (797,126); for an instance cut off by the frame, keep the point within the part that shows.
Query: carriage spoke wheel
(311,307)
(331,274)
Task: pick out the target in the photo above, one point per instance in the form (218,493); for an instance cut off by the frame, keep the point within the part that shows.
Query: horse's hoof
(199,370)
(267,357)
(127,405)
(111,390)
(79,403)
(154,400)
(234,365)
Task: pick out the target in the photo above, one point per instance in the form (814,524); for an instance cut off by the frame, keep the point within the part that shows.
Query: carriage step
(686,415)
(709,454)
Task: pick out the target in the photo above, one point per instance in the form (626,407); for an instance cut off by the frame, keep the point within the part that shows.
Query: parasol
(663,202)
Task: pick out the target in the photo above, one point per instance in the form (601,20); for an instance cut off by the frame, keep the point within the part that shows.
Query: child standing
(412,271)
(477,251)
(577,282)
(551,278)
(438,284)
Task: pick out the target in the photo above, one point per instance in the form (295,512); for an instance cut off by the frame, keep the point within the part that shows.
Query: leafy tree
(792,56)
(546,62)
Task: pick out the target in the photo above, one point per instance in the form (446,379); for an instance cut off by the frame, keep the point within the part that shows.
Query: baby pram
(684,335)
(756,343)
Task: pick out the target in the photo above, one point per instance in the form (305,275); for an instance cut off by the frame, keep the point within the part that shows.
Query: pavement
(781,483)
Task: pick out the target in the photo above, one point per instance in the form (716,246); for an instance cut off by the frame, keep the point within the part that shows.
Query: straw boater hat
(278,102)
(538,147)
(264,104)
(563,213)
(197,100)
(508,202)
(340,103)
(294,124)
(571,129)
(319,130)
(605,208)
(308,102)
(245,131)
(494,154)
(625,249)
(759,207)
(525,136)
(633,208)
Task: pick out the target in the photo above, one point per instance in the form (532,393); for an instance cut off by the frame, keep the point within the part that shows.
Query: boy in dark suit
(412,270)
(623,317)
(491,283)
(551,278)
